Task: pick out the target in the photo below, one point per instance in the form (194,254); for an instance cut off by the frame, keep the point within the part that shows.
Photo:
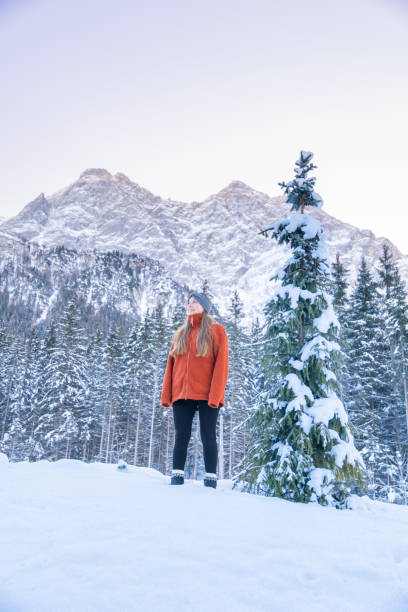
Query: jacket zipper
(188,355)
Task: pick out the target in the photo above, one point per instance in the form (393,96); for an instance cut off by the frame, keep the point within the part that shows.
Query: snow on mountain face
(217,239)
(109,287)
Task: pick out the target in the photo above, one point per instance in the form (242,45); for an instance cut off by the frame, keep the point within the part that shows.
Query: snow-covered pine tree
(395,306)
(256,340)
(64,387)
(141,352)
(30,449)
(240,388)
(110,444)
(157,423)
(10,348)
(93,405)
(340,301)
(132,375)
(252,347)
(44,424)
(16,404)
(399,473)
(339,280)
(121,440)
(301,446)
(368,387)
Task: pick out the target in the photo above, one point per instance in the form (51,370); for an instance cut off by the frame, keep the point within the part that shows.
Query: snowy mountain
(90,538)
(36,283)
(217,239)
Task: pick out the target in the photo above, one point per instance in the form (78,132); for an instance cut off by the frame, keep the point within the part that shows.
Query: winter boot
(177,477)
(210,480)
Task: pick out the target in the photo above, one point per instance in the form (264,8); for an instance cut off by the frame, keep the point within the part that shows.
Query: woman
(195,380)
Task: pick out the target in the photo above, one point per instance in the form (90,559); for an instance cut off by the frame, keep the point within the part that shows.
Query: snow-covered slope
(79,537)
(217,239)
(108,287)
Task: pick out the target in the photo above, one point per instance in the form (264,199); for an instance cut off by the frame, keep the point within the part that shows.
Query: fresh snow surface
(84,537)
(294,293)
(310,226)
(327,318)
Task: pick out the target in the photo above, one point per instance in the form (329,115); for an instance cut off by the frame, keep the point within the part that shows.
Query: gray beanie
(203,299)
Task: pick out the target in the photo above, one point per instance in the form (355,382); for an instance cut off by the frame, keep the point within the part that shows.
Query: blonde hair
(204,337)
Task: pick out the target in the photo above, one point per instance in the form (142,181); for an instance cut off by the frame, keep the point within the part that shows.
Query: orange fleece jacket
(191,377)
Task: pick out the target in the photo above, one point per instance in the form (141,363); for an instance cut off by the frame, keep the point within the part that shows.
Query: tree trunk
(137,427)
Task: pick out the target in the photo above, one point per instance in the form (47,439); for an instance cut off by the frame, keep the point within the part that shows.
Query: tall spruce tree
(240,388)
(368,387)
(64,387)
(250,348)
(339,284)
(395,307)
(301,445)
(10,351)
(93,404)
(26,447)
(159,336)
(111,437)
(17,398)
(132,373)
(340,302)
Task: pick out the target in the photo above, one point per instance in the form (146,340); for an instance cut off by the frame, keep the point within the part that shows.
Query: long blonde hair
(204,337)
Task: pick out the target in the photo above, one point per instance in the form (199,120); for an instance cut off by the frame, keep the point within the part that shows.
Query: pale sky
(184,96)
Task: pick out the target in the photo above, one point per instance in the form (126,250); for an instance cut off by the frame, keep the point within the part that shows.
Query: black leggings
(183,414)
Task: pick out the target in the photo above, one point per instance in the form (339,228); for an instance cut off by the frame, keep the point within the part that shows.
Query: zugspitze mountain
(217,239)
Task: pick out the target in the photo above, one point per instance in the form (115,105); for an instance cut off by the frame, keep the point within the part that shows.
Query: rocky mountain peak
(35,214)
(99,173)
(217,239)
(236,187)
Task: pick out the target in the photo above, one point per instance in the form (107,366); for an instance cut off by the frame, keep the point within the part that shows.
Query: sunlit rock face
(216,240)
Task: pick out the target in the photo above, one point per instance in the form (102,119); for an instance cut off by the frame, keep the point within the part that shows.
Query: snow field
(79,537)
